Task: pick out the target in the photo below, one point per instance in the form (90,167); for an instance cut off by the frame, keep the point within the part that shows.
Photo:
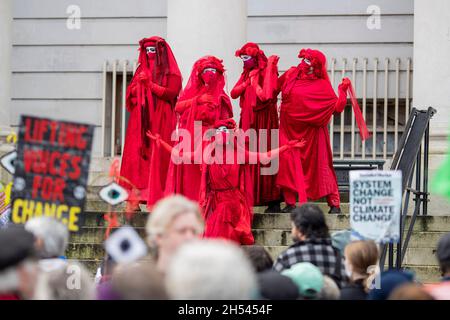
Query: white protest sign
(375,204)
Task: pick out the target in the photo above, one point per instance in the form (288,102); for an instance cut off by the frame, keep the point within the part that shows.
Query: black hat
(16,245)
(443,248)
(274,286)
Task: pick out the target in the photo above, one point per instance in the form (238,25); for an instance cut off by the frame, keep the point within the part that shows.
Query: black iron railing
(413,163)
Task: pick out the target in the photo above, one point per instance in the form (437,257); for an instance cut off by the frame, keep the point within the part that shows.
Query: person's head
(52,236)
(71,282)
(340,239)
(211,269)
(138,281)
(389,281)
(308,222)
(330,290)
(313,64)
(361,259)
(443,254)
(18,267)
(307,277)
(223,135)
(259,257)
(410,291)
(252,56)
(274,286)
(174,221)
(156,56)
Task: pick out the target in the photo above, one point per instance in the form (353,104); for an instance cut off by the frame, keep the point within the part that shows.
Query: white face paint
(150,50)
(222,129)
(210,70)
(245,57)
(307,61)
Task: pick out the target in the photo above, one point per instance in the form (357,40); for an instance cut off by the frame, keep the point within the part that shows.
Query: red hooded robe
(185,178)
(151,98)
(308,102)
(258,111)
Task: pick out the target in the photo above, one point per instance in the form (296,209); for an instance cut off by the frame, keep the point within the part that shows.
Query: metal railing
(412,158)
(383,89)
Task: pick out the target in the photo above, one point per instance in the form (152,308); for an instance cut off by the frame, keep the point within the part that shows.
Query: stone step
(280,237)
(95,204)
(275,221)
(341,221)
(96,219)
(96,235)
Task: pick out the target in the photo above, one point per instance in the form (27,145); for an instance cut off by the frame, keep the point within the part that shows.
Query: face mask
(151,52)
(305,66)
(249,62)
(209,75)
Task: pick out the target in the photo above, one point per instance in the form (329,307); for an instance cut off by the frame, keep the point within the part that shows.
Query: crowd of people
(182,264)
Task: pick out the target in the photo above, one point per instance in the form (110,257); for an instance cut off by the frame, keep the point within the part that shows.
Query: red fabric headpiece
(253,50)
(318,62)
(195,85)
(165,62)
(208,62)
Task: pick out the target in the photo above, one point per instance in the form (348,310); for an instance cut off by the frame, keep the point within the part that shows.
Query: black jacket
(354,291)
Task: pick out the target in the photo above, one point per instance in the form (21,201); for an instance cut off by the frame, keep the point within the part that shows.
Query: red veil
(248,101)
(150,107)
(185,178)
(308,102)
(256,90)
(319,64)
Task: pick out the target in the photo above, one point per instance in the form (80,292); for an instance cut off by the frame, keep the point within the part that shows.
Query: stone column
(5,65)
(432,79)
(208,27)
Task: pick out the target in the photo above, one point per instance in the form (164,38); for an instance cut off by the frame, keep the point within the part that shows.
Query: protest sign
(51,170)
(375,202)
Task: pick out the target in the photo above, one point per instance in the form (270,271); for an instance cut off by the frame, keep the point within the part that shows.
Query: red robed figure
(150,99)
(258,111)
(308,102)
(224,190)
(203,99)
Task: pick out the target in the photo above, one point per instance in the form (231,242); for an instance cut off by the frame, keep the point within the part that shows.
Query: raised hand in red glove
(345,84)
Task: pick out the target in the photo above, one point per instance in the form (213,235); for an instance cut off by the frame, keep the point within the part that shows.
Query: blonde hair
(165,211)
(362,255)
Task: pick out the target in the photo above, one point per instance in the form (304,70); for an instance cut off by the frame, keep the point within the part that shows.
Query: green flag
(441,180)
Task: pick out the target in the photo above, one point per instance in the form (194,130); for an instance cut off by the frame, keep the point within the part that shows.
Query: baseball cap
(307,277)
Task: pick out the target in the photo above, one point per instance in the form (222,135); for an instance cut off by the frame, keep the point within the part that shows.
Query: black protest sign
(51,170)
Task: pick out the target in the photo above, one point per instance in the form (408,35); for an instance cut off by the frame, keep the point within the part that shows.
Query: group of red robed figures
(227,190)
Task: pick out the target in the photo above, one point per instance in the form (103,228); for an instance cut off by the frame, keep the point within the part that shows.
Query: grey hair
(53,233)
(165,211)
(211,269)
(72,282)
